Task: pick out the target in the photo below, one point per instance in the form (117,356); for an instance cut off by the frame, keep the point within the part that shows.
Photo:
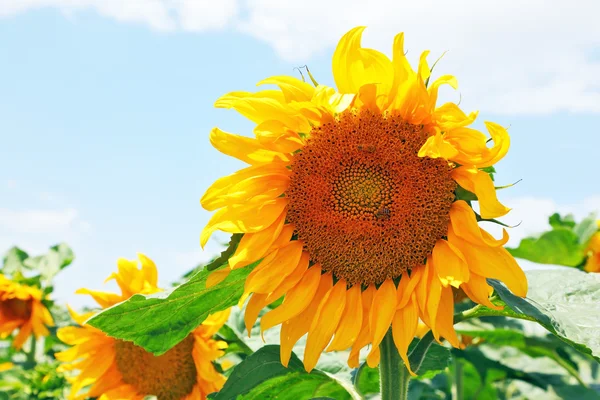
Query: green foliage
(427,358)
(42,382)
(40,269)
(565,304)
(262,376)
(564,244)
(159,321)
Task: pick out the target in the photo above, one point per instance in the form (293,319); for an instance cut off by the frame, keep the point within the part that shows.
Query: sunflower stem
(393,375)
(30,363)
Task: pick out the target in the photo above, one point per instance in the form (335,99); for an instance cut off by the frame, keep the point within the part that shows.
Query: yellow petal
(291,280)
(364,336)
(253,189)
(450,264)
(293,89)
(244,148)
(257,302)
(284,237)
(254,246)
(354,66)
(434,286)
(351,321)
(222,186)
(261,106)
(473,148)
(277,136)
(217,277)
(407,287)
(434,88)
(436,147)
(465,226)
(324,324)
(403,72)
(449,116)
(479,291)
(404,328)
(268,277)
(240,218)
(492,262)
(295,328)
(383,312)
(445,317)
(480,183)
(296,300)
(148,269)
(104,299)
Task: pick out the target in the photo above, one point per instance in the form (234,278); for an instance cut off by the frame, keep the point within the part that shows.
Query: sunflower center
(365,204)
(16,309)
(170,376)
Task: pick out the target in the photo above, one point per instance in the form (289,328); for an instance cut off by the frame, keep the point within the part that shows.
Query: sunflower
(593,252)
(21,308)
(355,204)
(118,370)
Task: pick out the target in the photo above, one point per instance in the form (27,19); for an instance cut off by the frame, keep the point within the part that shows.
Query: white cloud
(161,15)
(41,221)
(510,57)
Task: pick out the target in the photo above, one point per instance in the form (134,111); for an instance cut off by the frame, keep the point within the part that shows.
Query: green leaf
(564,301)
(557,221)
(427,358)
(366,380)
(463,194)
(492,370)
(51,263)
(13,261)
(235,344)
(560,246)
(159,321)
(262,376)
(586,228)
(225,254)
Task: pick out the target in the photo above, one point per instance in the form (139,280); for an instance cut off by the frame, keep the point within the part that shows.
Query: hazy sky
(106,106)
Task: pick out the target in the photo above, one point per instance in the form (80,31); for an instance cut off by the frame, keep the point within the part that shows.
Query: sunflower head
(593,252)
(112,369)
(358,203)
(21,309)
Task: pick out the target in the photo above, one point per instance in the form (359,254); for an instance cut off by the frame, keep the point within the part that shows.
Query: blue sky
(104,125)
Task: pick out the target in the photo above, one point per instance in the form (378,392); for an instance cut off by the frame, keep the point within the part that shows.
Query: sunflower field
(358,266)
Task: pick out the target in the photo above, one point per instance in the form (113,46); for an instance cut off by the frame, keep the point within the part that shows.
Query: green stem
(458,380)
(31,353)
(393,375)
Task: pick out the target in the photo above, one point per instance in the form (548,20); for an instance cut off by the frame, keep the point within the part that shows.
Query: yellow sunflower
(593,252)
(118,370)
(350,202)
(21,308)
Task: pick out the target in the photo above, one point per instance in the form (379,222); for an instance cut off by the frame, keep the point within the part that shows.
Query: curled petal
(480,183)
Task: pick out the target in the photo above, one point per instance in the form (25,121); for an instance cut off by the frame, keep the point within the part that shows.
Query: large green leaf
(560,246)
(564,301)
(262,376)
(159,321)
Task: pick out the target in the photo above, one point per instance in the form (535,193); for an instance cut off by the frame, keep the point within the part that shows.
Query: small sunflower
(350,201)
(113,369)
(21,308)
(593,252)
